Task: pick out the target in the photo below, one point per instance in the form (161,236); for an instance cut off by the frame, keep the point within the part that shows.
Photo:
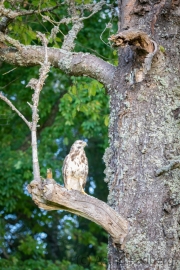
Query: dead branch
(94,8)
(68,43)
(135,38)
(140,42)
(77,21)
(49,195)
(37,85)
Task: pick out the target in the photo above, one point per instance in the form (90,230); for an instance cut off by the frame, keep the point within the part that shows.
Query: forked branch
(49,195)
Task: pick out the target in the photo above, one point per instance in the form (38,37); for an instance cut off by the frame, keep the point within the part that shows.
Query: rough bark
(77,64)
(144,136)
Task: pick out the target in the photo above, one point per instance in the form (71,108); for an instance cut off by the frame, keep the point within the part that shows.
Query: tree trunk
(144,137)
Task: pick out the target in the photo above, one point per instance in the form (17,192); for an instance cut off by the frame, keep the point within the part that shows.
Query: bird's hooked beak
(85,144)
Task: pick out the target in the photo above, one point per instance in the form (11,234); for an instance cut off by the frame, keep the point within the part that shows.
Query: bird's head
(77,145)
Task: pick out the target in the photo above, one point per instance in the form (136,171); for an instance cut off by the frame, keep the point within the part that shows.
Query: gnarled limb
(49,195)
(77,64)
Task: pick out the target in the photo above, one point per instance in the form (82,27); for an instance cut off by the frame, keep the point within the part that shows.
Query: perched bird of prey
(75,167)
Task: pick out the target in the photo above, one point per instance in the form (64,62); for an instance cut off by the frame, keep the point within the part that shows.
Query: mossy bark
(144,135)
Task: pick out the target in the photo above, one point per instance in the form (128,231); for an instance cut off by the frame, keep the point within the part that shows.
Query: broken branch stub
(144,47)
(135,38)
(49,195)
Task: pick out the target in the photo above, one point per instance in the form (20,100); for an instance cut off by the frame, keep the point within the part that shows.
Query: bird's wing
(64,167)
(85,170)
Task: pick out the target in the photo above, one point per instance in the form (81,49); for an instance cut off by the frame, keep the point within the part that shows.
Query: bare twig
(14,109)
(3,87)
(49,121)
(77,21)
(68,43)
(97,7)
(37,85)
(9,71)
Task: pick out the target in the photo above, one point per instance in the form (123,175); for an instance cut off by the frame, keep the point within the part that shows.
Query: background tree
(142,161)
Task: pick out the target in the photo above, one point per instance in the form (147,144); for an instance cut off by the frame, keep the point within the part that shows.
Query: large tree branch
(51,196)
(77,64)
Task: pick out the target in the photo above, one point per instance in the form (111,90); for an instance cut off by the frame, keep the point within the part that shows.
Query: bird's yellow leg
(83,192)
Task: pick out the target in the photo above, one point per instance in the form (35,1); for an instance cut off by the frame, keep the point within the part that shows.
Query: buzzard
(75,167)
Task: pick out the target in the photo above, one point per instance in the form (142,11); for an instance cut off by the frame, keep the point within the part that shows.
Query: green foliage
(30,247)
(70,108)
(22,32)
(14,264)
(85,100)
